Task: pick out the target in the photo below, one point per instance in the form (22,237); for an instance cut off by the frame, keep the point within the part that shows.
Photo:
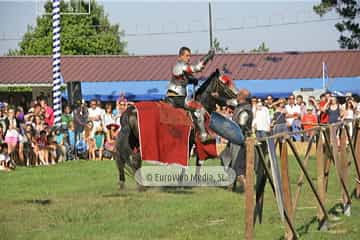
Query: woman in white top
(12,133)
(348,115)
(108,116)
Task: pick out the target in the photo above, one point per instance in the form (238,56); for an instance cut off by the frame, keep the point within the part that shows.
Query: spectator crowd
(29,137)
(294,114)
(89,130)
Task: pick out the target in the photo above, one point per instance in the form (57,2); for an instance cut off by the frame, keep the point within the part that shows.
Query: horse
(128,137)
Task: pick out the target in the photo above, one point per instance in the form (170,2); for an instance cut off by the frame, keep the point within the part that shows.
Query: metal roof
(243,66)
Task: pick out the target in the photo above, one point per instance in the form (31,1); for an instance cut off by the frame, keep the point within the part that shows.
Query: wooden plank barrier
(286,186)
(335,146)
(249,188)
(344,165)
(355,151)
(271,182)
(320,170)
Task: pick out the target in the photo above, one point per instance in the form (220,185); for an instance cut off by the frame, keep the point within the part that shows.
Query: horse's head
(218,83)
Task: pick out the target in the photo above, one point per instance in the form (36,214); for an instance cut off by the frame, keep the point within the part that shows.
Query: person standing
(300,102)
(261,122)
(66,117)
(12,132)
(270,106)
(348,114)
(49,113)
(333,110)
(278,122)
(108,116)
(293,113)
(323,116)
(234,156)
(121,106)
(308,120)
(95,114)
(80,120)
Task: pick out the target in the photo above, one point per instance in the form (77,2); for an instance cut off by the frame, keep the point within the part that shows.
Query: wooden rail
(335,150)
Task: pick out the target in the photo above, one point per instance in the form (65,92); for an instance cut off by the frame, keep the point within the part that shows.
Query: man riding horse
(182,75)
(155,121)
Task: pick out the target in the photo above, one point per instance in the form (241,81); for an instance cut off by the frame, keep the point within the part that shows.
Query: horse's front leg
(120,165)
(136,163)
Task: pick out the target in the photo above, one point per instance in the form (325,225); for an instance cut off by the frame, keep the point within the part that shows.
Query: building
(146,77)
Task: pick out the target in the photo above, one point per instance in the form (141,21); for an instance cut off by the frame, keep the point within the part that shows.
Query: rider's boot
(200,121)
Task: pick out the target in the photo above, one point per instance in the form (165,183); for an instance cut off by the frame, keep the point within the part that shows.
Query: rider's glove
(209,56)
(199,66)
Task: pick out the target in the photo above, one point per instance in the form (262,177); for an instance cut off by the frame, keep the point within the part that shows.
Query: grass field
(80,200)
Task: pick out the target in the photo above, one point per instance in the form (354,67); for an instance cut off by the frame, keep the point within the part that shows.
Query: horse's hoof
(121,185)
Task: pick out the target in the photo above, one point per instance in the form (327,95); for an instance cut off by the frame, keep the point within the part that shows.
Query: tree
(349,27)
(80,34)
(217,46)
(261,49)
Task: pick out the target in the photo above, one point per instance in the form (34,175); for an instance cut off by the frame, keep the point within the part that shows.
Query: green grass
(80,200)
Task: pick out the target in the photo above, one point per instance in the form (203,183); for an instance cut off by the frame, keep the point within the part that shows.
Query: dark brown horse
(128,159)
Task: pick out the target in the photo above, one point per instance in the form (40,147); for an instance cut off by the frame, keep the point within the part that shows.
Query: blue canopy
(133,90)
(155,90)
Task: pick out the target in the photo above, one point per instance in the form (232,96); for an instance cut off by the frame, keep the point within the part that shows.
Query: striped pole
(56,63)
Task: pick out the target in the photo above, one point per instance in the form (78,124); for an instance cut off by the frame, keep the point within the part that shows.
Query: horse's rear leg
(122,155)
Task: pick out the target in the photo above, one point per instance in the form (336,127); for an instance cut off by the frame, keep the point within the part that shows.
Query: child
(12,133)
(29,142)
(71,140)
(41,151)
(5,162)
(99,137)
(308,120)
(61,144)
(89,139)
(111,136)
(66,117)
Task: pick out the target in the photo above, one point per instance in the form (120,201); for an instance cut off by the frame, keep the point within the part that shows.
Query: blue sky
(151,27)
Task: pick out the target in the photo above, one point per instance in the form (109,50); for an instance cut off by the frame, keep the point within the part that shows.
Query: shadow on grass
(39,201)
(115,195)
(132,192)
(336,210)
(304,229)
(177,190)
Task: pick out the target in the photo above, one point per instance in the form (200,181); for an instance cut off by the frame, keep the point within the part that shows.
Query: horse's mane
(206,83)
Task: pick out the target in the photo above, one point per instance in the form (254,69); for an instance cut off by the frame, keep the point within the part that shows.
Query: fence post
(338,168)
(249,188)
(344,163)
(320,167)
(286,187)
(357,153)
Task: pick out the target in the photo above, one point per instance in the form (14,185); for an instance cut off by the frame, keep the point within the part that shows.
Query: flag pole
(210,26)
(56,62)
(323,75)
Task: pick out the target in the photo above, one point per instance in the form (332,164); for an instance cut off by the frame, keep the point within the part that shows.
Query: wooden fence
(336,145)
